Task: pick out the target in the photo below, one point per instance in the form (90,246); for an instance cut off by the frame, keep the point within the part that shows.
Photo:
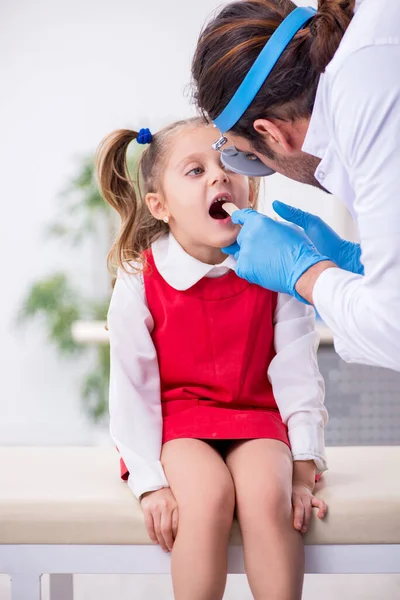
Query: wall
(71,72)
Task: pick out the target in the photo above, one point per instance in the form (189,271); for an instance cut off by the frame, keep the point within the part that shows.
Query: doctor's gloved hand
(271,254)
(345,254)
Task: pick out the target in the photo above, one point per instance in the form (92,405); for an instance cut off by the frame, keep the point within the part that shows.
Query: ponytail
(327,29)
(114,181)
(138,226)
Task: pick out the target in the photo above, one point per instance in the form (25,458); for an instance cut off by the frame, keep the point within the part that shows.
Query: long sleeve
(296,381)
(363,312)
(135,405)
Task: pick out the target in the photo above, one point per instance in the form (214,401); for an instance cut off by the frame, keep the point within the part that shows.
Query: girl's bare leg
(273,549)
(204,491)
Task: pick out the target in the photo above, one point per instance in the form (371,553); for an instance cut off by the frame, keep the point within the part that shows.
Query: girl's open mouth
(216,210)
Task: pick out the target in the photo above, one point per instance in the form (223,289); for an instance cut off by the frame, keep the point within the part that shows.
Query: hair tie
(144,136)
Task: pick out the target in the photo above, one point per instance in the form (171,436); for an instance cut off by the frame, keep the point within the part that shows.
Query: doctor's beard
(300,167)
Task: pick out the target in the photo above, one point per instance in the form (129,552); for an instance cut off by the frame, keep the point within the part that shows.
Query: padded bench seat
(64,510)
(75,496)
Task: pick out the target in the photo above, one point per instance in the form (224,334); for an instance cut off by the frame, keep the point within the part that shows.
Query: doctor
(315,96)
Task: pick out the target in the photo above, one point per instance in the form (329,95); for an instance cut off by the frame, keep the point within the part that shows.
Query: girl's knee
(221,501)
(271,505)
(215,506)
(279,505)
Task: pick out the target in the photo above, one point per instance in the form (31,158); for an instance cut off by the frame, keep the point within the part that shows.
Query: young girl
(216,400)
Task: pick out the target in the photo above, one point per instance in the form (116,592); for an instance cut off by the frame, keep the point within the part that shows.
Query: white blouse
(135,405)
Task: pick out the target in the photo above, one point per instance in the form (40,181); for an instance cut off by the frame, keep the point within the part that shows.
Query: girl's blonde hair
(139,229)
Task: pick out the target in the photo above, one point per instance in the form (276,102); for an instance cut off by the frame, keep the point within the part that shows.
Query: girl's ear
(254,185)
(156,205)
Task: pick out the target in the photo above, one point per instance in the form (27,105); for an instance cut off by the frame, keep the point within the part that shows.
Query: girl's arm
(135,405)
(296,381)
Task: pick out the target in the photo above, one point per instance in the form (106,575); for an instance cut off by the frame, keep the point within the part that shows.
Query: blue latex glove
(272,254)
(346,255)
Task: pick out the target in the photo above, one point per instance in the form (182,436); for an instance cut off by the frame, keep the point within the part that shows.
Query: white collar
(180,270)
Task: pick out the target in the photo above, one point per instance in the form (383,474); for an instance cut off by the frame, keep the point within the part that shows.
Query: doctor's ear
(277,134)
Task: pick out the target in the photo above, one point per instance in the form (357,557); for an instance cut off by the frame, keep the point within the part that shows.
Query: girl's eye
(195,171)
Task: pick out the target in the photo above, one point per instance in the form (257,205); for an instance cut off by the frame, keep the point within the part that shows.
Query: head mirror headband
(246,163)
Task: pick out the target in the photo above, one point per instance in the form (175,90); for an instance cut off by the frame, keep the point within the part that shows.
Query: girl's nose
(219,175)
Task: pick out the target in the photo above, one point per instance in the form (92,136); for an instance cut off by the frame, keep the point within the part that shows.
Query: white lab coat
(355,130)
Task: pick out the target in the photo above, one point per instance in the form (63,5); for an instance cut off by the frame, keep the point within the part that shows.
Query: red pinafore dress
(214,343)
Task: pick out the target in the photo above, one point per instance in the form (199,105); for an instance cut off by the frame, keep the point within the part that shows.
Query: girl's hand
(303,501)
(161,517)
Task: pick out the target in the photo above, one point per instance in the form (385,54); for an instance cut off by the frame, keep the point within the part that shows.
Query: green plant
(55,298)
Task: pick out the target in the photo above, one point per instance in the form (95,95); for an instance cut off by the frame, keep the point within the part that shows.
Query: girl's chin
(226,240)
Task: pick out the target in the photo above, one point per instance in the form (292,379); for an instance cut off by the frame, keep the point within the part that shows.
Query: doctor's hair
(126,193)
(232,40)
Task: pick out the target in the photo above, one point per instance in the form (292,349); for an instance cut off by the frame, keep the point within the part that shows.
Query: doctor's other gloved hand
(271,254)
(346,255)
(160,511)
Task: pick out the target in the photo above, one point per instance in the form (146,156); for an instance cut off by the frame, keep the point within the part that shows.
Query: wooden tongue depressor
(229,207)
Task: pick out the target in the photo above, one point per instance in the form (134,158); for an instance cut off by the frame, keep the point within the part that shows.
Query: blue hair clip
(144,136)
